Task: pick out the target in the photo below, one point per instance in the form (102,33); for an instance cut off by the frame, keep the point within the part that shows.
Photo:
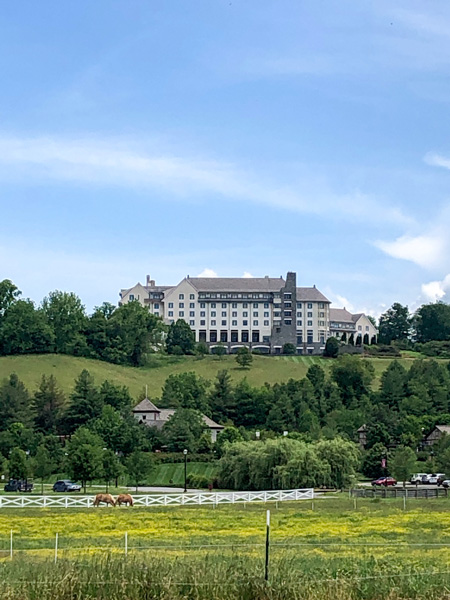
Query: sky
(227,137)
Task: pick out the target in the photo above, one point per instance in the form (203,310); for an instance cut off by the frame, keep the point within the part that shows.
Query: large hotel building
(263,313)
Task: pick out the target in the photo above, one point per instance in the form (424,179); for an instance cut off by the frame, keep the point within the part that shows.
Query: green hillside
(269,369)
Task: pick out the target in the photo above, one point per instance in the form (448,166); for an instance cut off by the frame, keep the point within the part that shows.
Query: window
(288,321)
(213,305)
(255,336)
(321,305)
(131,297)
(359,328)
(266,314)
(245,313)
(309,335)
(180,296)
(309,304)
(277,315)
(255,323)
(202,305)
(288,313)
(170,304)
(202,336)
(192,323)
(322,337)
(309,314)
(299,304)
(224,323)
(234,305)
(255,313)
(170,313)
(156,314)
(191,296)
(245,305)
(192,313)
(213,336)
(245,323)
(156,306)
(234,313)
(213,323)
(321,323)
(181,305)
(191,304)
(299,323)
(181,313)
(288,305)
(287,296)
(224,313)
(233,324)
(244,336)
(202,313)
(255,305)
(234,336)
(299,313)
(224,304)
(266,323)
(322,314)
(367,328)
(213,313)
(299,338)
(266,339)
(309,324)
(224,336)
(266,305)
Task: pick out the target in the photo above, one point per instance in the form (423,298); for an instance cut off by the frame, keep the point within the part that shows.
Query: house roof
(146,405)
(310,294)
(237,284)
(443,428)
(341,315)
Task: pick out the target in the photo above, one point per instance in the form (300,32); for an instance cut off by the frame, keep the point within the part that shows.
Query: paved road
(161,490)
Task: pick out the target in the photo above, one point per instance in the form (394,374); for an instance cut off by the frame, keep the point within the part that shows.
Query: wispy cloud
(436,290)
(425,250)
(207,273)
(115,162)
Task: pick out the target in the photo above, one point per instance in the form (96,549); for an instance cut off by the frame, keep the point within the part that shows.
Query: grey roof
(146,405)
(311,294)
(357,316)
(443,428)
(341,315)
(237,284)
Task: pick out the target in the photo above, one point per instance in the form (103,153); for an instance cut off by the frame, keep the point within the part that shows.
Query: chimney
(148,280)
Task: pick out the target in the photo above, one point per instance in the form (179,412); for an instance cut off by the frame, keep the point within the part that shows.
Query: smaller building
(344,324)
(362,436)
(148,413)
(436,435)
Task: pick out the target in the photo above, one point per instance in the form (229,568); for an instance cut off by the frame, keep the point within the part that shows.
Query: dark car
(65,485)
(19,485)
(385,481)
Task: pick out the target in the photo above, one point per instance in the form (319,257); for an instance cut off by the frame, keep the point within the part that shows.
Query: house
(344,324)
(436,435)
(362,436)
(146,412)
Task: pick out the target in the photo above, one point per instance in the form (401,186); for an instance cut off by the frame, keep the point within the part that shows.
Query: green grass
(173,473)
(270,369)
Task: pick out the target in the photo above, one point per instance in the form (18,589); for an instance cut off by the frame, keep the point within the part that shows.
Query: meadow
(326,550)
(270,369)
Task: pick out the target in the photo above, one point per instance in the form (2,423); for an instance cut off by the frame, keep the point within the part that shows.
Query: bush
(196,480)
(289,349)
(382,350)
(437,349)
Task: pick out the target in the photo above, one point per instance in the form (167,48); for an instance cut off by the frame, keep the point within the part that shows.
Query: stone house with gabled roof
(149,414)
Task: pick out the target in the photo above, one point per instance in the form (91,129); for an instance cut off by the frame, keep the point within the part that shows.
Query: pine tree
(48,402)
(14,403)
(86,403)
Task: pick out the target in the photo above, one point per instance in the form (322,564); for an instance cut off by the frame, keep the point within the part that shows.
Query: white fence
(199,498)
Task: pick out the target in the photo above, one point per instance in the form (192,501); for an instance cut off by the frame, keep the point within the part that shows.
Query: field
(327,550)
(269,369)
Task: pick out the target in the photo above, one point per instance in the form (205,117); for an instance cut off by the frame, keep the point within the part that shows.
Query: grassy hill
(269,369)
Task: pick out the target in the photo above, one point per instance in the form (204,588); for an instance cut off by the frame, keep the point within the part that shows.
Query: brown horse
(124,499)
(106,498)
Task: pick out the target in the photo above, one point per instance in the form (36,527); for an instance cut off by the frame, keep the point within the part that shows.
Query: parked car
(440,478)
(65,485)
(417,478)
(19,485)
(386,481)
(432,480)
(426,477)
(446,483)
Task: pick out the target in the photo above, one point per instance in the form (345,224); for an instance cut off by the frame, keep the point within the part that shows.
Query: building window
(245,313)
(234,313)
(224,336)
(266,323)
(156,306)
(202,305)
(202,336)
(266,314)
(321,305)
(266,339)
(288,313)
(202,313)
(192,313)
(233,324)
(181,313)
(299,323)
(244,337)
(224,313)
(266,305)
(224,323)
(309,335)
(224,304)
(191,304)
(288,305)
(181,305)
(359,328)
(255,336)
(255,323)
(321,323)
(213,323)
(322,314)
(170,313)
(245,305)
(309,314)
(309,304)
(131,297)
(299,304)
(170,304)
(213,313)
(213,305)
(255,313)
(234,336)
(287,296)
(202,323)
(299,338)
(156,314)
(288,322)
(192,296)
(277,315)
(309,324)
(192,323)
(213,336)
(255,305)
(244,323)
(367,328)
(234,305)
(299,313)
(322,337)
(180,296)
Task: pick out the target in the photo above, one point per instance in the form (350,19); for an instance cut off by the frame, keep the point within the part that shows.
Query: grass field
(269,369)
(334,551)
(173,473)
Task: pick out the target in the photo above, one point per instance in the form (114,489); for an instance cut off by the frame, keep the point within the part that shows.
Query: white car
(432,480)
(446,483)
(417,477)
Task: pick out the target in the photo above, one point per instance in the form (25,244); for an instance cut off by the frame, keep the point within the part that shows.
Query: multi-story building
(262,313)
(344,324)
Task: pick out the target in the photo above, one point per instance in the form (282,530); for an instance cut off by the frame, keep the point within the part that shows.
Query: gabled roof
(146,405)
(341,315)
(357,317)
(237,284)
(443,428)
(310,294)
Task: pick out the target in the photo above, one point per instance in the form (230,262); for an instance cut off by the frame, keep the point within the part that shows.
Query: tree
(48,403)
(180,335)
(18,464)
(14,403)
(403,463)
(112,468)
(223,404)
(85,402)
(395,324)
(117,396)
(219,350)
(8,295)
(353,377)
(139,466)
(67,317)
(289,348)
(393,384)
(432,322)
(43,466)
(185,390)
(202,349)
(25,329)
(331,347)
(371,464)
(183,430)
(244,357)
(229,435)
(85,456)
(343,457)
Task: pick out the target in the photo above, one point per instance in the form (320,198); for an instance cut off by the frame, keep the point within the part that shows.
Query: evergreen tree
(117,396)
(223,404)
(393,384)
(395,324)
(183,430)
(18,467)
(14,403)
(186,390)
(48,403)
(86,403)
(331,347)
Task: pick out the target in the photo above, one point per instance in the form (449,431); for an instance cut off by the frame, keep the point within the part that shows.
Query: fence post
(56,548)
(354,503)
(266,568)
(126,543)
(11,545)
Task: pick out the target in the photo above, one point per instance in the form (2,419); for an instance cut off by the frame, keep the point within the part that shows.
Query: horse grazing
(124,499)
(106,498)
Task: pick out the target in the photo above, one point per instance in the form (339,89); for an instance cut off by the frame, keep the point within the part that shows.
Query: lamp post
(185,469)
(257,434)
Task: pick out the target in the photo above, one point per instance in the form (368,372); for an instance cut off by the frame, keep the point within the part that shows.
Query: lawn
(329,550)
(173,473)
(269,369)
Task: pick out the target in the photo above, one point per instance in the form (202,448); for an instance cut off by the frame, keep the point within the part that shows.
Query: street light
(257,434)
(185,469)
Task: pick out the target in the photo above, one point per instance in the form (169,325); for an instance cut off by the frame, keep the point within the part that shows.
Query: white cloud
(342,302)
(437,160)
(207,273)
(424,250)
(247,275)
(116,162)
(436,290)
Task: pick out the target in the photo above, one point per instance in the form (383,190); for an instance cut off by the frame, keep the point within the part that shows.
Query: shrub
(289,349)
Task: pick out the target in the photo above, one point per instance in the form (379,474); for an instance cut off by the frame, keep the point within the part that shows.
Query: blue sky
(190,136)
